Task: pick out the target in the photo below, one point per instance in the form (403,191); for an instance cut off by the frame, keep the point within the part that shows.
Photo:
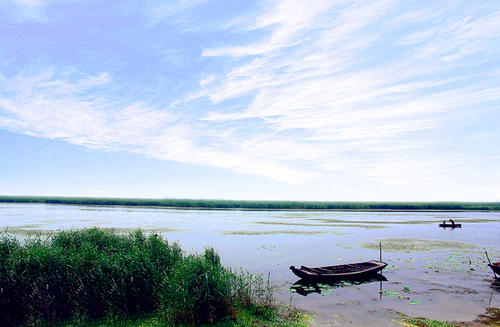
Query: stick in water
(487,256)
(380,251)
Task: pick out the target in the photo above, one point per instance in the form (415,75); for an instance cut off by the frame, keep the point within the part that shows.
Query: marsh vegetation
(94,274)
(263,205)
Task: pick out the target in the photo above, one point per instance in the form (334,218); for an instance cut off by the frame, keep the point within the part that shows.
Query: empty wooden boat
(353,270)
(495,266)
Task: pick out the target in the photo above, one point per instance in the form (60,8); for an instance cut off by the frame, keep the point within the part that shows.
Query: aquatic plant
(94,274)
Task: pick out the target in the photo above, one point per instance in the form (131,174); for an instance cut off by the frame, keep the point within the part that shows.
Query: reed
(93,274)
(258,205)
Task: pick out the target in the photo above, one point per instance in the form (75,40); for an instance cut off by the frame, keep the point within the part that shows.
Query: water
(433,272)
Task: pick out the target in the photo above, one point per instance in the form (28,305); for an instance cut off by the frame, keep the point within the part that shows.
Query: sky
(385,100)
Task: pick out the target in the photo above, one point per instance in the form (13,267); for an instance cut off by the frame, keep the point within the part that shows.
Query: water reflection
(441,269)
(306,287)
(496,284)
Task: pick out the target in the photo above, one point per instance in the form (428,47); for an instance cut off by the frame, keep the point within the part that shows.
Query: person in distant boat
(444,222)
(452,222)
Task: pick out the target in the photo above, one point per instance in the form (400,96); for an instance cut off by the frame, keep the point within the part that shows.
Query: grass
(96,276)
(258,205)
(423,322)
(256,316)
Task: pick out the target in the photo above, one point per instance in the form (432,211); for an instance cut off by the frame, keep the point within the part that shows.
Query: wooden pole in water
(380,251)
(487,256)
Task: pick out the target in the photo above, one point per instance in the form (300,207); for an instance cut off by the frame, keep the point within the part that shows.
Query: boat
(495,266)
(305,287)
(495,285)
(360,269)
(450,225)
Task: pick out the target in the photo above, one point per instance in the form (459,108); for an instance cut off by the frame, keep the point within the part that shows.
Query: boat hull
(495,267)
(368,269)
(450,225)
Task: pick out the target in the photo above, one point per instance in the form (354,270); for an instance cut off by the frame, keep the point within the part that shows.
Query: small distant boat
(353,270)
(495,266)
(446,225)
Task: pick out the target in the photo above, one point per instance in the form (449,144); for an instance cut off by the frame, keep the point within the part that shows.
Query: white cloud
(331,90)
(50,106)
(316,74)
(30,3)
(27,10)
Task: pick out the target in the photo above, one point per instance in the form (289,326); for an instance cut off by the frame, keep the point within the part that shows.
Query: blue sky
(282,99)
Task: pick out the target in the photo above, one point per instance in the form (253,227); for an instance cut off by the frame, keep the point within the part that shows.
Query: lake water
(433,272)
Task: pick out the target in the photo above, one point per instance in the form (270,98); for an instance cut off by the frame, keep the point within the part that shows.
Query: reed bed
(258,205)
(93,274)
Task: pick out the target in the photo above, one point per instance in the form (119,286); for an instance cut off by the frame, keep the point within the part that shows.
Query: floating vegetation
(365,225)
(378,222)
(423,322)
(416,245)
(274,232)
(390,293)
(399,296)
(267,247)
(490,318)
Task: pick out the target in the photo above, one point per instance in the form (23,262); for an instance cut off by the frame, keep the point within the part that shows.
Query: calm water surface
(433,272)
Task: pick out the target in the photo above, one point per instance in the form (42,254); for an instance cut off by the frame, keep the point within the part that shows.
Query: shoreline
(249,209)
(255,205)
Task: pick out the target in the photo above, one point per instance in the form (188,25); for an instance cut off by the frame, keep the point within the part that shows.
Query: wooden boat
(495,266)
(360,269)
(450,225)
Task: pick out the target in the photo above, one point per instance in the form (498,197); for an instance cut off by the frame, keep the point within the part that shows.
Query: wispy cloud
(61,106)
(323,92)
(27,10)
(319,72)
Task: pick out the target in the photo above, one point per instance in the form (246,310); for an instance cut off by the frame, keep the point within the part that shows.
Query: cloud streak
(325,92)
(320,76)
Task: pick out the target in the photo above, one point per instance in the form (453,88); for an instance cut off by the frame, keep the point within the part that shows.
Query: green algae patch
(381,222)
(355,225)
(490,318)
(275,232)
(423,322)
(416,245)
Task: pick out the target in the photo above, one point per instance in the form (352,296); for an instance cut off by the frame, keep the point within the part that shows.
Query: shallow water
(435,273)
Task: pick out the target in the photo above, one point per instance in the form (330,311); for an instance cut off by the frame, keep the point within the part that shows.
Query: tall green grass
(94,274)
(258,205)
